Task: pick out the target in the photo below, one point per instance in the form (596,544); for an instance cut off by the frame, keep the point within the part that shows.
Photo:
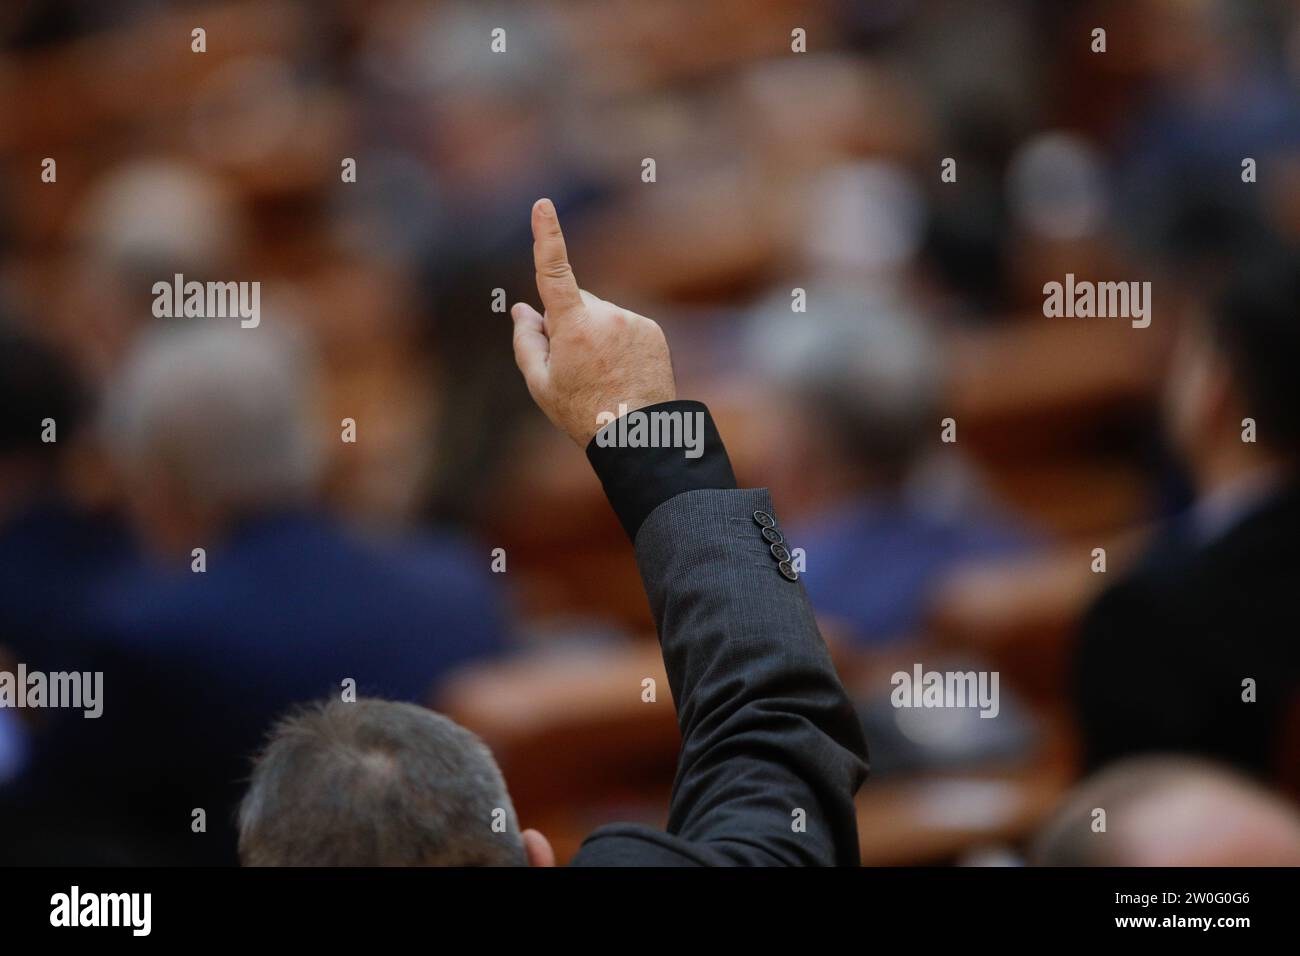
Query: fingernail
(547,207)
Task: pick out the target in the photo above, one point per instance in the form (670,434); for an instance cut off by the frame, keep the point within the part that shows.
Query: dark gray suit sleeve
(772,752)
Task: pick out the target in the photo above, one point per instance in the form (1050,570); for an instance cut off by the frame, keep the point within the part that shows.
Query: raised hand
(584,355)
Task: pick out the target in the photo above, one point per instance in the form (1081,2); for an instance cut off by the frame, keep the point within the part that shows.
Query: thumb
(532,347)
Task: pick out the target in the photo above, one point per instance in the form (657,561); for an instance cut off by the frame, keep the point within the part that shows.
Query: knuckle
(650,328)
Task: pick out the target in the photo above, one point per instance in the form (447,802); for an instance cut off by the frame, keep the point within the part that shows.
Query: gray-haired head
(865,361)
(377,783)
(224,413)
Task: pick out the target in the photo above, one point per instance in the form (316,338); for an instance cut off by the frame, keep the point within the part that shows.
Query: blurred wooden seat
(568,555)
(1022,613)
(937,818)
(570,729)
(1036,383)
(1053,413)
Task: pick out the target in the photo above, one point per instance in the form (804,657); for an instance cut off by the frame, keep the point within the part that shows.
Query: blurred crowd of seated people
(776,173)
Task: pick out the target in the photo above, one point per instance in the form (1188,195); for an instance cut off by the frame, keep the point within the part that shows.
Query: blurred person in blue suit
(885,514)
(52,547)
(56,551)
(212,425)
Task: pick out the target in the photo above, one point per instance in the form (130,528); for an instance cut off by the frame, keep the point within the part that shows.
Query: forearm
(772,752)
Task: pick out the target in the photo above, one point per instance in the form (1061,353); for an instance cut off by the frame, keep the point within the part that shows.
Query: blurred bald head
(1172,811)
(210,422)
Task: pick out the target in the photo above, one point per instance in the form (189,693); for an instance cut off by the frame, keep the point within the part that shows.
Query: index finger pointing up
(555,281)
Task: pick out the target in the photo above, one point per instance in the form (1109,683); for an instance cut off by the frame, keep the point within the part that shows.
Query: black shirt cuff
(643,459)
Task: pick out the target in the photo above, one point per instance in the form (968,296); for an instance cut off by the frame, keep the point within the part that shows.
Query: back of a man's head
(210,423)
(1254,325)
(1232,398)
(376,783)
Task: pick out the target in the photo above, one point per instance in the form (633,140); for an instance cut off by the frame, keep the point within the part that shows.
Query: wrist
(647,454)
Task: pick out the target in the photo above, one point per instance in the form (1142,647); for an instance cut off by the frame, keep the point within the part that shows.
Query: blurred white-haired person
(263,601)
(212,426)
